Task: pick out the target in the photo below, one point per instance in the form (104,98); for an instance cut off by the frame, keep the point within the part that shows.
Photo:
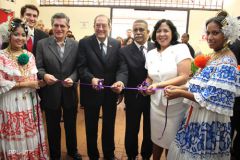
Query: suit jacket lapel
(136,52)
(35,37)
(96,48)
(52,46)
(35,40)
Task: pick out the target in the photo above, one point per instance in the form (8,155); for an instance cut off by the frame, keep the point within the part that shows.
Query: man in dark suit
(136,104)
(29,13)
(185,39)
(99,59)
(56,60)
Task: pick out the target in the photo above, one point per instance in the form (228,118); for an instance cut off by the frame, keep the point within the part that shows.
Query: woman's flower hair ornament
(231,28)
(14,25)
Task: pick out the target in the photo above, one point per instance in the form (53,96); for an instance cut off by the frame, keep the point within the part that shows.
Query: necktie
(29,44)
(141,50)
(102,51)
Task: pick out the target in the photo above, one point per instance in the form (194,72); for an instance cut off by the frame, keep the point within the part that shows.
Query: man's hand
(49,79)
(117,87)
(68,82)
(41,83)
(95,83)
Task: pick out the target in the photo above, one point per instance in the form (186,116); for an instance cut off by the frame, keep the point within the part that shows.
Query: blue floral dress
(207,133)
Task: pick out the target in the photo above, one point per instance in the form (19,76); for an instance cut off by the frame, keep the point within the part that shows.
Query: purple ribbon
(141,87)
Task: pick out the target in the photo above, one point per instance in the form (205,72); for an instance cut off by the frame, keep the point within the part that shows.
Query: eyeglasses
(138,29)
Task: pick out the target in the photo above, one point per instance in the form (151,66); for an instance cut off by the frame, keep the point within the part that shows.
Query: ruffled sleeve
(5,85)
(221,88)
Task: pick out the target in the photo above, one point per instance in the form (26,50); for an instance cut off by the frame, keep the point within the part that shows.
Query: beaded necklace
(220,53)
(14,55)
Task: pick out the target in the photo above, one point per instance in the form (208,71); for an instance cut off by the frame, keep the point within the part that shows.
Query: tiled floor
(119,136)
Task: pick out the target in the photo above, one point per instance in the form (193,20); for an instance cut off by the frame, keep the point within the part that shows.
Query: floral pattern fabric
(21,126)
(207,134)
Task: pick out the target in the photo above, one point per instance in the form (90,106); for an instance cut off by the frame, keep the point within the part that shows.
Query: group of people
(189,121)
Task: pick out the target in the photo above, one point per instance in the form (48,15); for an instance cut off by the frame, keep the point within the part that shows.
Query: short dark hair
(30,6)
(60,16)
(175,34)
(141,21)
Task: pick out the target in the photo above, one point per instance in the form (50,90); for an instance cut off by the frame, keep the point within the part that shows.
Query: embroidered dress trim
(205,138)
(185,155)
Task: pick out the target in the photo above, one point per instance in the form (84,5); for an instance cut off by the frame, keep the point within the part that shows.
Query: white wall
(197,21)
(122,19)
(196,29)
(81,18)
(232,7)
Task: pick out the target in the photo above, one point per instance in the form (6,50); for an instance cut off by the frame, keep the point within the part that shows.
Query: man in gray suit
(56,61)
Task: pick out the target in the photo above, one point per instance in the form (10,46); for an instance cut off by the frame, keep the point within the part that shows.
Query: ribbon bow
(100,84)
(143,86)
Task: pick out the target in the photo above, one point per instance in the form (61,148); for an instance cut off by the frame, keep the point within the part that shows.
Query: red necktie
(29,44)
